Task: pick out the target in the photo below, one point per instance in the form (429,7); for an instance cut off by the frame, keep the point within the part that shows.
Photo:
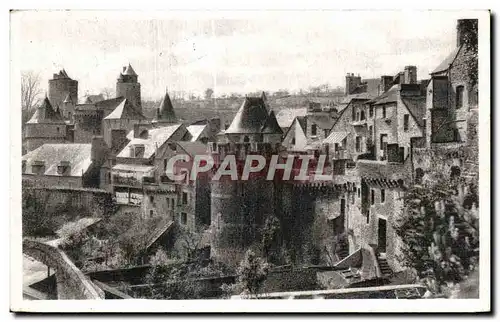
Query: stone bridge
(72,284)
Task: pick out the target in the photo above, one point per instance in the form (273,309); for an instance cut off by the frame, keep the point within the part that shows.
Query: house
(65,165)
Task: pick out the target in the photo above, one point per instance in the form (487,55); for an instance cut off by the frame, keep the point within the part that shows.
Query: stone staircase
(385,269)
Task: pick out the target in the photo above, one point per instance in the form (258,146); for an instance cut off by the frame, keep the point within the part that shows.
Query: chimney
(351,82)
(385,83)
(136,131)
(98,149)
(410,75)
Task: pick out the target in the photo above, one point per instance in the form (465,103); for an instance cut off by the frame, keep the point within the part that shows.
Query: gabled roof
(78,156)
(271,125)
(46,114)
(125,111)
(416,105)
(196,131)
(68,99)
(250,117)
(166,111)
(155,139)
(286,116)
(391,96)
(129,71)
(447,62)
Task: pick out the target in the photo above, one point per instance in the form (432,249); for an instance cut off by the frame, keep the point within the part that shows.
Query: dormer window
(38,167)
(139,151)
(63,168)
(459,97)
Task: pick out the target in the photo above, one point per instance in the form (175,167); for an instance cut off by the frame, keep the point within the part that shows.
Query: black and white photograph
(249,156)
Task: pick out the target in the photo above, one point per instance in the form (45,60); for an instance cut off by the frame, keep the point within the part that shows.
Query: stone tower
(239,207)
(60,87)
(128,87)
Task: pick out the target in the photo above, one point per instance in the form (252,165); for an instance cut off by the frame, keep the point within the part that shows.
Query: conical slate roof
(165,113)
(271,126)
(129,71)
(250,117)
(46,114)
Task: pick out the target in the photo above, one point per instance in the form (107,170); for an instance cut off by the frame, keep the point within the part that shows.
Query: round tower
(60,87)
(127,86)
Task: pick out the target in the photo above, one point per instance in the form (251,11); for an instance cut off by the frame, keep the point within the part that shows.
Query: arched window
(419,174)
(455,172)
(459,102)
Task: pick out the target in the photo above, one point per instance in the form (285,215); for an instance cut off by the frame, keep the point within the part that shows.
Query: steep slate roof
(390,96)
(46,114)
(93,98)
(286,116)
(68,99)
(78,156)
(271,126)
(125,111)
(323,122)
(250,117)
(166,111)
(193,148)
(196,131)
(156,138)
(447,62)
(129,71)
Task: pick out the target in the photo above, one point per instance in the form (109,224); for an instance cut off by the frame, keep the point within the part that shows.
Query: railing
(126,181)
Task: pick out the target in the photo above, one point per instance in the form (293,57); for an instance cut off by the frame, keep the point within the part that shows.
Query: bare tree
(107,92)
(30,89)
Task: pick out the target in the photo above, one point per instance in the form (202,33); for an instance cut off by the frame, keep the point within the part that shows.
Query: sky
(241,52)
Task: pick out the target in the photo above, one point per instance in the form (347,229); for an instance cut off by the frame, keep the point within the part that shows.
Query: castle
(378,141)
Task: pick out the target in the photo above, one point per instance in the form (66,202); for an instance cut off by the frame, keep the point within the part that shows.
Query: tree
(270,234)
(253,271)
(208,93)
(470,40)
(30,89)
(107,92)
(440,230)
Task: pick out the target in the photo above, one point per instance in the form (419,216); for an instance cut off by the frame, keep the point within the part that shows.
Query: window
(168,203)
(353,113)
(151,213)
(419,174)
(362,115)
(165,162)
(373,196)
(371,111)
(314,129)
(460,97)
(455,172)
(184,198)
(358,144)
(293,141)
(382,195)
(359,192)
(151,198)
(357,116)
(246,139)
(406,122)
(384,112)
(184,218)
(57,128)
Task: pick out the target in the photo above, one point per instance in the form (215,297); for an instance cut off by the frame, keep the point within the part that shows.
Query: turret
(127,86)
